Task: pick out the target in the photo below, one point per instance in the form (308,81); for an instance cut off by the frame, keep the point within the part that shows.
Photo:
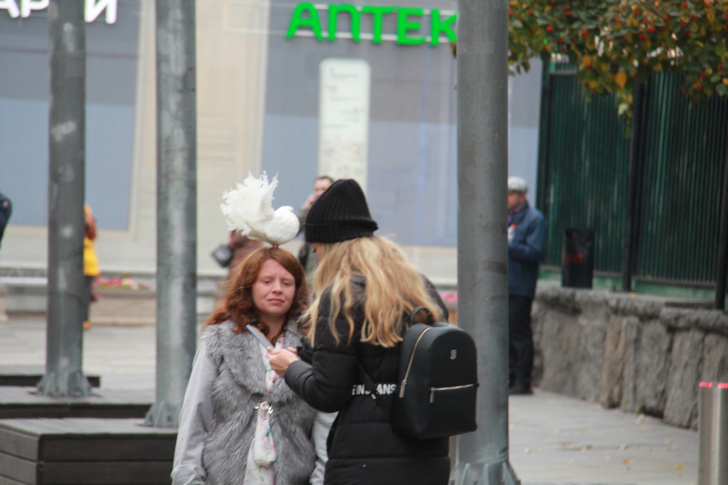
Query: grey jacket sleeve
(320,434)
(194,421)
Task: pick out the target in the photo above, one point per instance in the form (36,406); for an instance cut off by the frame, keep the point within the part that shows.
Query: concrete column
(482,456)
(66,194)
(176,207)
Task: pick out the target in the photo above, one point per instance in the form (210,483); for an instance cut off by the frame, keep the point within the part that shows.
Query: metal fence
(583,175)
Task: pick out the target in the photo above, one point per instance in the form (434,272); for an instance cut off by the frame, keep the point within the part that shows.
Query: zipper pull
(401,389)
(432,395)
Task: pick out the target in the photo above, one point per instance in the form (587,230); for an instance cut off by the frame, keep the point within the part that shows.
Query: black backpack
(438,381)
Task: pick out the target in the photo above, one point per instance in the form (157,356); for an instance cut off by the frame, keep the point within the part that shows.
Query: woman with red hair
(240,423)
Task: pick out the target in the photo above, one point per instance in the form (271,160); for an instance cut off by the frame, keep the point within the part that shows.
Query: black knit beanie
(339,214)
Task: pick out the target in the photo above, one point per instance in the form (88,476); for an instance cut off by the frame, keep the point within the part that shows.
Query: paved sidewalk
(554,440)
(557,440)
(124,357)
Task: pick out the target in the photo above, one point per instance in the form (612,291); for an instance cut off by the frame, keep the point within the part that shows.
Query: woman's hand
(281,359)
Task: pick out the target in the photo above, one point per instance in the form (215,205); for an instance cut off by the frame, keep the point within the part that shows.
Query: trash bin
(577,258)
(713,433)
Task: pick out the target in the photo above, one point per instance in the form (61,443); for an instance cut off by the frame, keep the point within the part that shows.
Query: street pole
(176,207)
(722,269)
(66,188)
(633,187)
(482,84)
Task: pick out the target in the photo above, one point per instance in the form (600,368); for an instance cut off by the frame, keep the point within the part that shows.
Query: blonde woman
(367,290)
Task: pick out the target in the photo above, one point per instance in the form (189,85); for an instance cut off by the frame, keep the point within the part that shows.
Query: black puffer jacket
(363,448)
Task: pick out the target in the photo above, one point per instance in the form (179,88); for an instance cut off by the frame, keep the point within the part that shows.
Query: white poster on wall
(344,119)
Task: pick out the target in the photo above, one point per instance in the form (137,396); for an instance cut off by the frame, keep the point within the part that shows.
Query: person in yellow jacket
(91,270)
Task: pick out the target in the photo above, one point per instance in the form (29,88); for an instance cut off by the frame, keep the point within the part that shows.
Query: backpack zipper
(433,389)
(409,365)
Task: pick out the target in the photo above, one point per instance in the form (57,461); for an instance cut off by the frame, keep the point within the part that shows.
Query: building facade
(366,91)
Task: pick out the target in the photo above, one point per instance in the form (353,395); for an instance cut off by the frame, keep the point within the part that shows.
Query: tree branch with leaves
(614,43)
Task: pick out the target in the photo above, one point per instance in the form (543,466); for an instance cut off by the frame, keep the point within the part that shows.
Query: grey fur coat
(217,422)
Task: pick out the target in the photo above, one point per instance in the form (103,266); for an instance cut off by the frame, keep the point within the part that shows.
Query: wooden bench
(84,451)
(28,295)
(20,402)
(30,375)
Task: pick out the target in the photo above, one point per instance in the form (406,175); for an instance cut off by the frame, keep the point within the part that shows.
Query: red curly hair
(237,303)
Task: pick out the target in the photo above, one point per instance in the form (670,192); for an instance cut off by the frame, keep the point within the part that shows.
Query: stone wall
(641,353)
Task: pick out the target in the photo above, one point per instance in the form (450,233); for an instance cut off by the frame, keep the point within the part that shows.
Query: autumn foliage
(615,42)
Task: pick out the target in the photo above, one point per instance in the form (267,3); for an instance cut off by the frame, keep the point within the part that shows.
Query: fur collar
(241,354)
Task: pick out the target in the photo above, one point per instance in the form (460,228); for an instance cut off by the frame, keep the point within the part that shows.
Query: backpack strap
(366,379)
(369,384)
(429,318)
(304,253)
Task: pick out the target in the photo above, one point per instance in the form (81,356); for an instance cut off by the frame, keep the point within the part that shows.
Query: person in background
(241,246)
(306,255)
(367,290)
(6,209)
(91,271)
(240,423)
(527,232)
(229,256)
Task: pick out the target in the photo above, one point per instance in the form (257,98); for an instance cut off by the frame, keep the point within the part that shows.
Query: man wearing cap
(527,231)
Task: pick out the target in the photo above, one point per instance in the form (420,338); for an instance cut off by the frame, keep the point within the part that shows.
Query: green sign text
(409,23)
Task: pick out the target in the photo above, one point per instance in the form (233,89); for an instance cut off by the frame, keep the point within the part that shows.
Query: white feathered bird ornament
(249,209)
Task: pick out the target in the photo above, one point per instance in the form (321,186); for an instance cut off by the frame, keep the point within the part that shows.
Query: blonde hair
(394,288)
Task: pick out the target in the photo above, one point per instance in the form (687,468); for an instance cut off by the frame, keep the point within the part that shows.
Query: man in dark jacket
(527,231)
